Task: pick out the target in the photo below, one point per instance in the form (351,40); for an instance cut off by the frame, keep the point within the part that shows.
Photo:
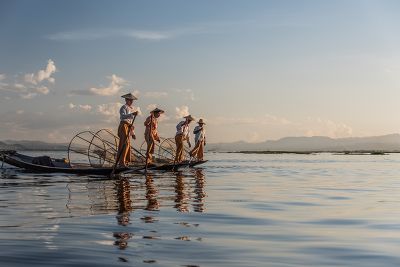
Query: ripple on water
(240,210)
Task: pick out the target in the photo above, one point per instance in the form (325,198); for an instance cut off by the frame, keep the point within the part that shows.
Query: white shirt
(126,113)
(200,135)
(183,129)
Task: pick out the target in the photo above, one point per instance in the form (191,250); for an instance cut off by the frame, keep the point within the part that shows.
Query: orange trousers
(198,150)
(179,147)
(150,148)
(124,146)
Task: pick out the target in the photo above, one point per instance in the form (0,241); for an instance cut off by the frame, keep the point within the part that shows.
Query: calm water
(238,210)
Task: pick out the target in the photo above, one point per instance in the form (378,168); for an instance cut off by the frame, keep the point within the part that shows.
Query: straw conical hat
(201,121)
(189,117)
(129,96)
(157,110)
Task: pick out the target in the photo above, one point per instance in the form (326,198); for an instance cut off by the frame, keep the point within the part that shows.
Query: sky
(254,70)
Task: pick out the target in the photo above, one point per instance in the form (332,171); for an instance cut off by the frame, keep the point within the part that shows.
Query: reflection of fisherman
(199,191)
(181,197)
(151,195)
(124,209)
(200,141)
(125,130)
(182,134)
(151,133)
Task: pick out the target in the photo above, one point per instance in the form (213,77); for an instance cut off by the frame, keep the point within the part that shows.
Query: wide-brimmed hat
(157,110)
(129,96)
(189,117)
(201,121)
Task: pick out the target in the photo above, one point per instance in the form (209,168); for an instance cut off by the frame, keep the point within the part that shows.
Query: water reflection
(189,191)
(181,194)
(183,191)
(151,194)
(200,194)
(123,190)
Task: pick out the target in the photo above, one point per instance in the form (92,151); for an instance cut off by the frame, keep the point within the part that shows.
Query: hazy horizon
(138,141)
(255,71)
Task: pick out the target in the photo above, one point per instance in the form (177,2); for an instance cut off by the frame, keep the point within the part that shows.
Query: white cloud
(42,75)
(43,90)
(113,88)
(85,107)
(19,86)
(30,85)
(324,127)
(163,118)
(182,111)
(109,110)
(30,78)
(271,119)
(81,107)
(186,93)
(139,110)
(267,119)
(151,107)
(156,94)
(46,74)
(260,128)
(136,93)
(147,35)
(2,84)
(28,95)
(57,136)
(97,34)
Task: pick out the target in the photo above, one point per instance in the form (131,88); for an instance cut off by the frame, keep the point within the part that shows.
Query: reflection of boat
(51,165)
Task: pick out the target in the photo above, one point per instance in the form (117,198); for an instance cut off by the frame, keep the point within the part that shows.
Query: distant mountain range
(387,143)
(32,145)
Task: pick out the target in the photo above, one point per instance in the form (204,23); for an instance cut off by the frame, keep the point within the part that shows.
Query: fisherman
(182,134)
(151,133)
(125,130)
(200,141)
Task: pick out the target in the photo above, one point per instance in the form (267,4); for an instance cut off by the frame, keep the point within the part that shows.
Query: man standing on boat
(151,133)
(200,141)
(125,130)
(182,134)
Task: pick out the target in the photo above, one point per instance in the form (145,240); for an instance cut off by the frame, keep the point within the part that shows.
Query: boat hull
(25,162)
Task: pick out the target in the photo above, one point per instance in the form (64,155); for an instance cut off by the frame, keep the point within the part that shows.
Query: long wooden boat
(50,165)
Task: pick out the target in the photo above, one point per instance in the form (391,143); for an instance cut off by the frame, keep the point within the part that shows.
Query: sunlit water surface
(237,210)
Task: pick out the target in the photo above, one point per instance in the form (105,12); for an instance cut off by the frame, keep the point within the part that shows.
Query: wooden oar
(123,146)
